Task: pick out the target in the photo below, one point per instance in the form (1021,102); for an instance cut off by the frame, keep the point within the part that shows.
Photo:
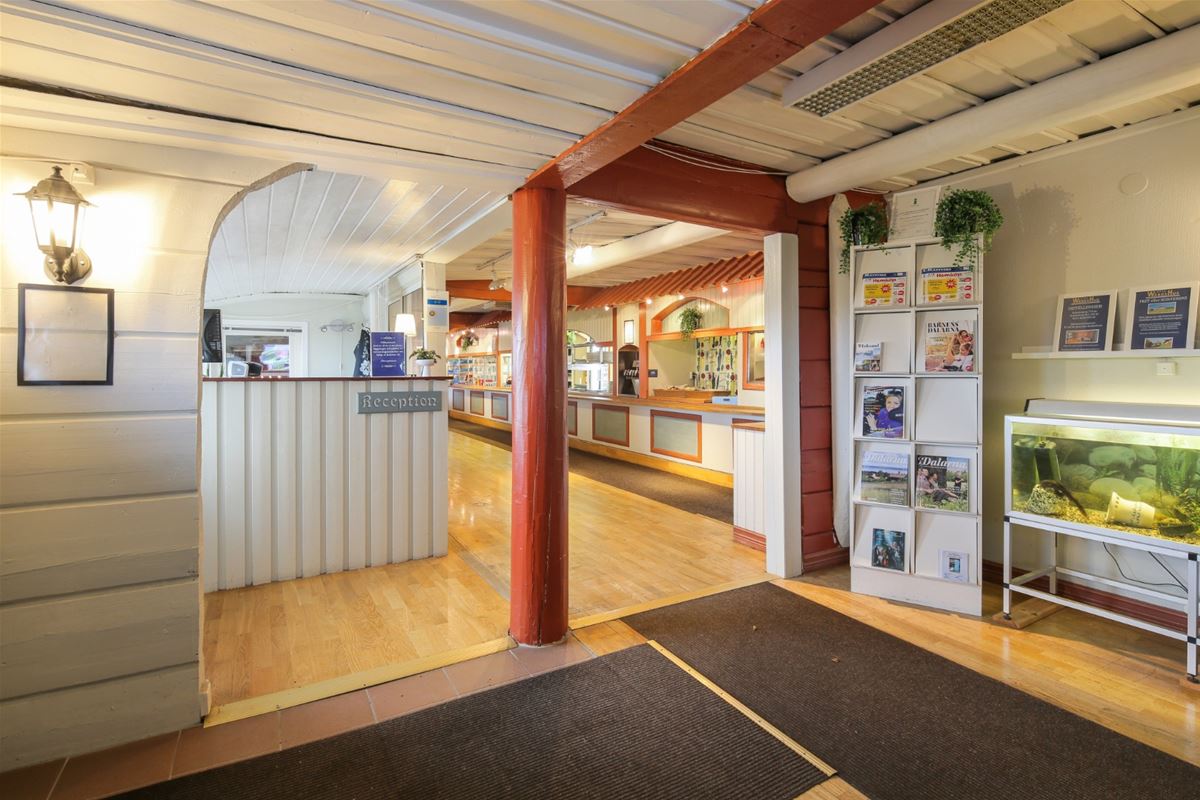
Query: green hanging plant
(689,321)
(964,214)
(865,225)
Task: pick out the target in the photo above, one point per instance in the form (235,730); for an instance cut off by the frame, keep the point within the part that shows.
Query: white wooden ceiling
(496,253)
(322,232)
(753,125)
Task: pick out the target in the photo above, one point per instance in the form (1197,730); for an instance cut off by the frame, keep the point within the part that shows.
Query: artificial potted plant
(425,360)
(689,321)
(864,225)
(963,216)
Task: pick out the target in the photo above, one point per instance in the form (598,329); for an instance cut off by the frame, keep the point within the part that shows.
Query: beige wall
(1069,228)
(99,513)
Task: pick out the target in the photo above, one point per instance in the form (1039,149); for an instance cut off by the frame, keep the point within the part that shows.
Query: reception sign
(398,402)
(1162,317)
(387,354)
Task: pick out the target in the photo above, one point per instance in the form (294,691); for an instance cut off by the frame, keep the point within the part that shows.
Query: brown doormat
(626,725)
(898,722)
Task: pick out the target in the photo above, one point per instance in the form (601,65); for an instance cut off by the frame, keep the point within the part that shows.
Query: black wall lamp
(58,210)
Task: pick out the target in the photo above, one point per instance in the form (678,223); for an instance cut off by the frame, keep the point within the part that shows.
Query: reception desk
(694,439)
(304,476)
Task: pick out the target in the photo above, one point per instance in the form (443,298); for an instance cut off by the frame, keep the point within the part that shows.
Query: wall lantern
(58,211)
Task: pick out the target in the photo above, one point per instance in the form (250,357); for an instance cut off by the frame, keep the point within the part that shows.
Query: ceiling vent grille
(984,24)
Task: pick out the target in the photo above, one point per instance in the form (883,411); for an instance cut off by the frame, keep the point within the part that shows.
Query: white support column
(781,462)
(433,278)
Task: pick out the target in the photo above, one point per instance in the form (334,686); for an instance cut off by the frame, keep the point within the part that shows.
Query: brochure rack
(937,561)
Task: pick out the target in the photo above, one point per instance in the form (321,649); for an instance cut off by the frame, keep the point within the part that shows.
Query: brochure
(889,550)
(1085,321)
(950,345)
(881,289)
(954,566)
(948,285)
(883,412)
(1162,317)
(868,356)
(883,477)
(943,482)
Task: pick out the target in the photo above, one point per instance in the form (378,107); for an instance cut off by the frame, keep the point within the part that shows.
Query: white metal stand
(1189,554)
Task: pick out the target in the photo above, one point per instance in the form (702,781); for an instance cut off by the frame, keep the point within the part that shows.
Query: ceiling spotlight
(496,283)
(724,289)
(649,301)
(583,256)
(606,308)
(678,297)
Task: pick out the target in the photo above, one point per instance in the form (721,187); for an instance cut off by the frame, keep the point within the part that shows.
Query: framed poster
(437,311)
(211,338)
(387,354)
(1162,317)
(64,335)
(1084,321)
(630,336)
(913,213)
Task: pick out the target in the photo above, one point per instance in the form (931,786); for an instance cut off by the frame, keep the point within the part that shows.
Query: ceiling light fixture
(583,256)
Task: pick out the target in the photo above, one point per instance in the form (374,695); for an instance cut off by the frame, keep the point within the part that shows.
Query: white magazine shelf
(915,330)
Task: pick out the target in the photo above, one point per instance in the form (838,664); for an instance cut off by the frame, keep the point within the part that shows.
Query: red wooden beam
(651,183)
(770,35)
(478,290)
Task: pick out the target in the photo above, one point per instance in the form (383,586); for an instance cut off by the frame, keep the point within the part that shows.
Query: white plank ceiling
(496,253)
(753,125)
(323,232)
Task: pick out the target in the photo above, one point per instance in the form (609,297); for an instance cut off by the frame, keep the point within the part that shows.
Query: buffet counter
(694,439)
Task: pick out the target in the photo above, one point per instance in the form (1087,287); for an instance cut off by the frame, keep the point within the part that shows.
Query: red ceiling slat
(681,281)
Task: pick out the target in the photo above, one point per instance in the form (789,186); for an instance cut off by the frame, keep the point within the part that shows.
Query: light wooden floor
(625,550)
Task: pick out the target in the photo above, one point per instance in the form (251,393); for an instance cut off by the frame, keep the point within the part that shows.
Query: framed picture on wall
(630,336)
(1084,321)
(64,335)
(1162,317)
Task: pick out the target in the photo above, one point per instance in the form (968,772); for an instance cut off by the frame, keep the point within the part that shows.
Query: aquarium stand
(1189,554)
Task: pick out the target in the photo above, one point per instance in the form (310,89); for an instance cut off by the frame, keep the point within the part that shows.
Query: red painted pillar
(538,613)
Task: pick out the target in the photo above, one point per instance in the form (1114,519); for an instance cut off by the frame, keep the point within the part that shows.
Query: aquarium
(1137,478)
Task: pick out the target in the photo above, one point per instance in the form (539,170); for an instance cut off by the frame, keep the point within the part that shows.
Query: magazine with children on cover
(883,412)
(950,345)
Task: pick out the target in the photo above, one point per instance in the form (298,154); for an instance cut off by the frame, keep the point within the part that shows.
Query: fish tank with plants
(1137,477)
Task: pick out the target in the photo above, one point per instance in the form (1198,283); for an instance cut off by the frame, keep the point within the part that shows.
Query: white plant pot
(426,365)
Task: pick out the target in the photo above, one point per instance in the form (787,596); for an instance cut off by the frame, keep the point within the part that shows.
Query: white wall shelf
(1078,354)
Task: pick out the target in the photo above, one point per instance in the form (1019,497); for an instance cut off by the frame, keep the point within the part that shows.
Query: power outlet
(1164,368)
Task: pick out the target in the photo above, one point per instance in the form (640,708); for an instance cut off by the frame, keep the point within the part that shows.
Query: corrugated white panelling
(596,323)
(748,511)
(99,595)
(744,302)
(297,483)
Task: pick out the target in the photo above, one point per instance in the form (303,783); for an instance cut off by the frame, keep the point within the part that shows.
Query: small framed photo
(64,335)
(1162,317)
(1084,321)
(630,337)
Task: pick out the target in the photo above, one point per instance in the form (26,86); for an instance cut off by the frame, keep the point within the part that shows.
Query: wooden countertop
(749,426)
(681,405)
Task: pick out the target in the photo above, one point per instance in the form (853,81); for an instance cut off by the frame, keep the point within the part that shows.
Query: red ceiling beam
(772,33)
(478,290)
(651,183)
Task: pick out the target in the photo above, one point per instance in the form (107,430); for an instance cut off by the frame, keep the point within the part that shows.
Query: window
(280,351)
(754,360)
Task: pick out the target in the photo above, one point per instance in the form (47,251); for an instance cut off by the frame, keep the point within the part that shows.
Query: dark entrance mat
(698,497)
(630,724)
(897,721)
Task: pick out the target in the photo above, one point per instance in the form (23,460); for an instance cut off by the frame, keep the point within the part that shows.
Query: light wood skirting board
(486,422)
(288,698)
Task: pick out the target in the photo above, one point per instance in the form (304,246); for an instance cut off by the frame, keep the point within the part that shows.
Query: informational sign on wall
(387,354)
(398,402)
(1162,317)
(437,311)
(1085,321)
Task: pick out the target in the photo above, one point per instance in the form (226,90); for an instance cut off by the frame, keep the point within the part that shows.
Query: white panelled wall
(100,600)
(297,483)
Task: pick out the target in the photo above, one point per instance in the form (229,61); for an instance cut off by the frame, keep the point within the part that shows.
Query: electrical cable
(699,162)
(1175,585)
